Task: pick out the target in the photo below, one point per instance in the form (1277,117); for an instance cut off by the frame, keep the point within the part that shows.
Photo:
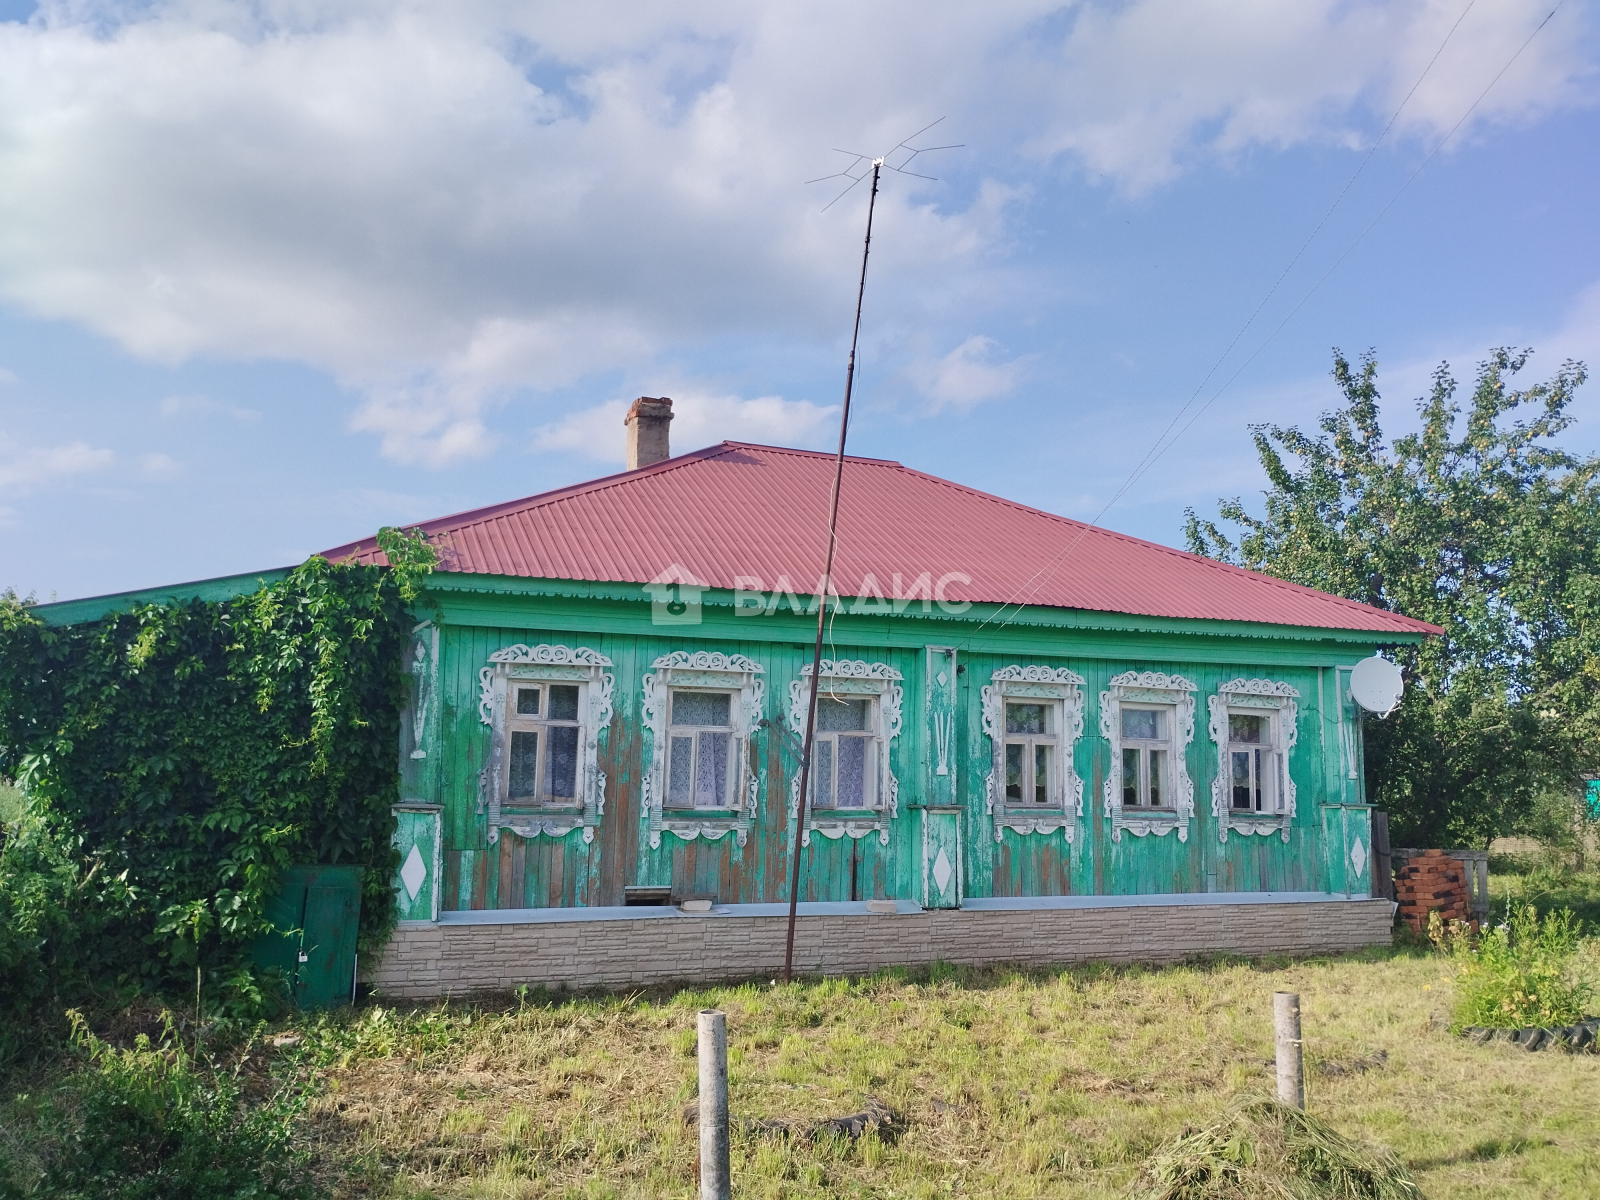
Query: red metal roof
(760,512)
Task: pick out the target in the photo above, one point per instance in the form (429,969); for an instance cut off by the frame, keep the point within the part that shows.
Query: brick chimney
(647,423)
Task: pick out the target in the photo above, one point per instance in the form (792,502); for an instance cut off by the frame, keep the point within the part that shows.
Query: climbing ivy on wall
(193,750)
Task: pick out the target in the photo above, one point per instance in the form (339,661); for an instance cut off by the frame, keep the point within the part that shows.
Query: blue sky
(274,274)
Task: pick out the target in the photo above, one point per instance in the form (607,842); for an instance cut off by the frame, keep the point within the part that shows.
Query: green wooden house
(1037,740)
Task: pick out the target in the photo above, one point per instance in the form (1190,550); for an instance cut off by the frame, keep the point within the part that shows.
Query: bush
(152,1123)
(193,750)
(55,904)
(1526,972)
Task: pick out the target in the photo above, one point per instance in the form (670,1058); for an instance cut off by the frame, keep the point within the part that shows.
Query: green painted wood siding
(553,872)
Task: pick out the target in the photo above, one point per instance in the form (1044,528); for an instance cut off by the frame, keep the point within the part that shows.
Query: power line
(1348,249)
(1162,443)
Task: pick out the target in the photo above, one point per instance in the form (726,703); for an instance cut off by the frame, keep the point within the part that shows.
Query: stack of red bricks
(1431,880)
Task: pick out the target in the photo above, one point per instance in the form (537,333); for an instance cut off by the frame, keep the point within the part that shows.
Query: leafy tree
(1482,526)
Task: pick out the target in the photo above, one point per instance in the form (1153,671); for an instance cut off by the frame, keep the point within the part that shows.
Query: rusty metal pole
(714,1181)
(827,584)
(1291,1062)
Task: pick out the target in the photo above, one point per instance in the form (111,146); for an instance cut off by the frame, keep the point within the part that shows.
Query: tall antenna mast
(878,164)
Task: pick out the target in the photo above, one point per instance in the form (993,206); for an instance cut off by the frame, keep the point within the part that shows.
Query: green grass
(1548,882)
(1056,1083)
(1009,1084)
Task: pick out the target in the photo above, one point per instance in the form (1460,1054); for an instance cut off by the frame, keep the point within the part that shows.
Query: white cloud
(24,469)
(7,377)
(1142,90)
(158,466)
(203,406)
(967,376)
(698,419)
(450,204)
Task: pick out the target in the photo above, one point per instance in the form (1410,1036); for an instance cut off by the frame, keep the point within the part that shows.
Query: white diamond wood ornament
(942,678)
(1358,856)
(942,871)
(413,873)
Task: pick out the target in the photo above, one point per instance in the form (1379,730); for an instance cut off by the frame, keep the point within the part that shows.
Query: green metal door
(326,977)
(941,857)
(315,918)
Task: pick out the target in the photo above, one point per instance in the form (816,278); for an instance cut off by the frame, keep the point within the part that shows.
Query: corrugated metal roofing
(756,516)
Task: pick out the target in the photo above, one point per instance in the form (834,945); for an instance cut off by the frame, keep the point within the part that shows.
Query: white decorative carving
(943,725)
(577,664)
(1358,856)
(853,677)
(1269,696)
(529,827)
(702,668)
(1042,682)
(1149,687)
(424,669)
(707,660)
(415,872)
(854,669)
(834,830)
(546,656)
(942,870)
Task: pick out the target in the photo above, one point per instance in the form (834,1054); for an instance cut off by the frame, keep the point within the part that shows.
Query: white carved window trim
(1149,687)
(707,669)
(1266,696)
(1063,687)
(545,664)
(852,677)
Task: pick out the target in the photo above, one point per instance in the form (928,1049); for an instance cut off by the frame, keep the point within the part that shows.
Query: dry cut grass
(1055,1084)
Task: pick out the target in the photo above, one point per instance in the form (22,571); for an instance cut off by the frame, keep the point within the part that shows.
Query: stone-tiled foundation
(610,948)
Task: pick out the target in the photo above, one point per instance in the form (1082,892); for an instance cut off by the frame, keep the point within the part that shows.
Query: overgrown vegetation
(150,1122)
(1527,971)
(176,758)
(1061,1083)
(1480,525)
(1548,881)
(1007,1084)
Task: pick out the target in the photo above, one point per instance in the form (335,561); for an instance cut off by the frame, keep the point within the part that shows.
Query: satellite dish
(1376,685)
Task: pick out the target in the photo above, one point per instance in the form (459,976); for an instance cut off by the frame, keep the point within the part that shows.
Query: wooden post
(1291,1064)
(1382,861)
(714,1184)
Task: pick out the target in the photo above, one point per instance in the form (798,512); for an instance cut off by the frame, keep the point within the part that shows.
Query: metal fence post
(714,1183)
(1291,1064)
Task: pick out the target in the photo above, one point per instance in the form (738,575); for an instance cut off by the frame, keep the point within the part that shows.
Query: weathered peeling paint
(556,872)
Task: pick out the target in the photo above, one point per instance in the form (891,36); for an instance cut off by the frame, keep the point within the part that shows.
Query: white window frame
(830,738)
(1061,689)
(541,725)
(733,770)
(1277,702)
(855,679)
(702,670)
(1142,689)
(544,664)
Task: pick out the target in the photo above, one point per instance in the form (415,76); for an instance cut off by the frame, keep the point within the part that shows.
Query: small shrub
(152,1123)
(55,903)
(1526,972)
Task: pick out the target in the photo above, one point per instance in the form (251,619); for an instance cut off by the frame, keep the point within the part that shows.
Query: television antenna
(858,169)
(861,168)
